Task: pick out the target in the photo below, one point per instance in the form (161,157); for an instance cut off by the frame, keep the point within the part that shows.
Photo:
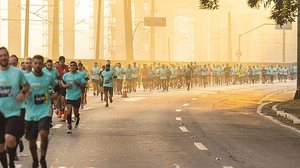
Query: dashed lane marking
(185,105)
(227,167)
(183,129)
(194,99)
(178,119)
(200,146)
(57,126)
(133,99)
(178,110)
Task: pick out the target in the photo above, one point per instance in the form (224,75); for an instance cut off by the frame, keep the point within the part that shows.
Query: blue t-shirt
(150,73)
(10,82)
(38,105)
(163,73)
(120,71)
(96,73)
(74,92)
(108,78)
(53,72)
(84,73)
(128,72)
(135,72)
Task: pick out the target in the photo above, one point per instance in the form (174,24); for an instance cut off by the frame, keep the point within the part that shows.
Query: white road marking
(133,99)
(178,119)
(178,110)
(18,165)
(199,108)
(38,143)
(227,167)
(186,105)
(200,146)
(183,129)
(194,99)
(57,126)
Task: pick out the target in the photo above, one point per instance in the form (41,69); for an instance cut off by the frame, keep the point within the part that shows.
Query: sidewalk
(283,108)
(291,107)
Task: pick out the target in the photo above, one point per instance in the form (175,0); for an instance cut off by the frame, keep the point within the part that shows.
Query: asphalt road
(215,127)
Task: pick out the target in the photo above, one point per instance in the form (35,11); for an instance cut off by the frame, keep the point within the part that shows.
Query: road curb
(288,116)
(259,111)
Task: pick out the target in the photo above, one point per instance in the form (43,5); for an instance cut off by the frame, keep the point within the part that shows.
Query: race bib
(40,99)
(6,91)
(107,81)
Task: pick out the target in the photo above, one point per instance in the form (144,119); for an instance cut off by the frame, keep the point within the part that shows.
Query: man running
(84,89)
(108,75)
(95,72)
(38,115)
(11,96)
(73,82)
(14,61)
(52,70)
(62,69)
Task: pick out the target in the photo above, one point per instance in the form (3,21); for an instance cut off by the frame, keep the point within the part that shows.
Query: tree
(283,11)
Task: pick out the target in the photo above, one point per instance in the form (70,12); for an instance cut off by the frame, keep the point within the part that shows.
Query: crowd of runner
(31,93)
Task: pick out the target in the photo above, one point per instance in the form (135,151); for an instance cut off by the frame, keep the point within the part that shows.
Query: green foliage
(283,11)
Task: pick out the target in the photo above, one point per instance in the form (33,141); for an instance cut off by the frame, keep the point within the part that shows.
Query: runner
(119,81)
(135,76)
(14,61)
(52,70)
(10,104)
(95,72)
(108,75)
(163,74)
(28,65)
(62,68)
(188,76)
(84,89)
(38,115)
(143,73)
(73,82)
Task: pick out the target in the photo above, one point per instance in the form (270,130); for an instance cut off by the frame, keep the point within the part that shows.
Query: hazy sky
(207,30)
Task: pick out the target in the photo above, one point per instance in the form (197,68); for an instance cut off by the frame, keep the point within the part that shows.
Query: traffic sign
(155,21)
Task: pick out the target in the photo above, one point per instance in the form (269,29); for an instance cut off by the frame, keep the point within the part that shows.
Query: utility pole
(169,51)
(98,32)
(297,94)
(283,45)
(128,30)
(152,31)
(229,38)
(69,29)
(55,34)
(14,27)
(26,38)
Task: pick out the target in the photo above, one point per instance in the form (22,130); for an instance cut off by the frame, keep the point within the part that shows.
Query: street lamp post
(239,53)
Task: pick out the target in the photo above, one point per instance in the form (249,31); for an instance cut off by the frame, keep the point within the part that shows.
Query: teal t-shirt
(120,72)
(10,82)
(38,105)
(163,73)
(53,72)
(84,73)
(74,92)
(96,73)
(128,72)
(108,78)
(135,72)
